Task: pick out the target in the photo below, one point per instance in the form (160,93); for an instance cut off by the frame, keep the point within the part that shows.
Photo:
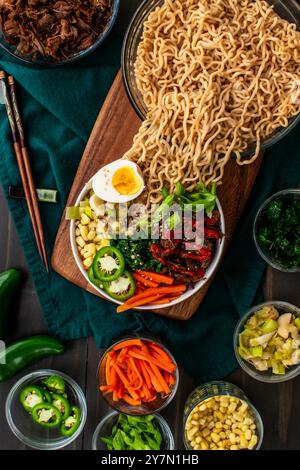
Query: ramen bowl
(187,294)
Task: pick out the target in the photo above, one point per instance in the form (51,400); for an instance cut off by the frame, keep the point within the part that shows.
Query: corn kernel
(243,442)
(85,220)
(77,232)
(243,408)
(252,442)
(202,407)
(204,445)
(84,232)
(80,242)
(88,262)
(248,435)
(234,447)
(215,437)
(91,235)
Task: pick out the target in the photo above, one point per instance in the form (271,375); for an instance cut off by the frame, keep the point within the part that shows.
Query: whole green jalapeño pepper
(71,424)
(9,282)
(62,404)
(122,288)
(55,384)
(31,396)
(108,264)
(22,353)
(46,415)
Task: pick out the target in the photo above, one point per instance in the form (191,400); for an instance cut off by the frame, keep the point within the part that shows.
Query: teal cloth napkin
(59,107)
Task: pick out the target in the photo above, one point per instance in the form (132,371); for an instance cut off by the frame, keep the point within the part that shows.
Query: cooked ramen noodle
(217,77)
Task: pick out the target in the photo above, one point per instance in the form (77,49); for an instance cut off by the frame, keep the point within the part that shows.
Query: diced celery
(278,368)
(73,213)
(256,351)
(269,326)
(297,322)
(88,211)
(244,353)
(84,203)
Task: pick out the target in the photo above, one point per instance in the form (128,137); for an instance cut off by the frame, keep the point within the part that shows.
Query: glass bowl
(31,433)
(215,388)
(144,409)
(287,9)
(265,376)
(283,195)
(105,426)
(44,61)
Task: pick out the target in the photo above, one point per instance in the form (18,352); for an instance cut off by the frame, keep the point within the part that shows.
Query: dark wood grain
(111,137)
(278,404)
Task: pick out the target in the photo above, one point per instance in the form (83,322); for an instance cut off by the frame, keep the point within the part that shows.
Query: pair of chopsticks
(23,162)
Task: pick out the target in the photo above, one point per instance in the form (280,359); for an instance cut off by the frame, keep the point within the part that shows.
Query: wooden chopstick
(24,165)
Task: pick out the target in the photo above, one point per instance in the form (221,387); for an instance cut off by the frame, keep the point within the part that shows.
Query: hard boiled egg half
(119,181)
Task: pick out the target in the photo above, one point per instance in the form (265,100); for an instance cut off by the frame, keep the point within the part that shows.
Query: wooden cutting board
(111,137)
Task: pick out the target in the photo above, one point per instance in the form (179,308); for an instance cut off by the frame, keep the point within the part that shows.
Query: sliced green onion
(73,213)
(47,195)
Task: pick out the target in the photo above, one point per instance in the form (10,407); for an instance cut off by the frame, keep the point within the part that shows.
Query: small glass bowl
(44,61)
(215,388)
(286,9)
(31,433)
(285,194)
(105,426)
(146,408)
(265,376)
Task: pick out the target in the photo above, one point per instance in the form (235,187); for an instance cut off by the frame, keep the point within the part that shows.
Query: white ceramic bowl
(209,272)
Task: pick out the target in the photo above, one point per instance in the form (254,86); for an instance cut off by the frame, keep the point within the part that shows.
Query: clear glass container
(287,9)
(145,408)
(43,61)
(264,376)
(281,195)
(105,426)
(24,427)
(215,388)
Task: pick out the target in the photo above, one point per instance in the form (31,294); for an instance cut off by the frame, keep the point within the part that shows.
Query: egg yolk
(125,181)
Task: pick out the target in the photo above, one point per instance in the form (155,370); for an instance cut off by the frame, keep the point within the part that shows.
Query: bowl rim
(256,413)
(269,141)
(112,413)
(186,295)
(143,337)
(29,441)
(250,370)
(263,255)
(79,55)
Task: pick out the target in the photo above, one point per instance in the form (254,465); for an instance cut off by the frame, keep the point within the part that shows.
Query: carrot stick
(121,375)
(131,401)
(179,288)
(145,373)
(156,277)
(146,357)
(126,344)
(160,378)
(162,301)
(163,355)
(107,370)
(138,303)
(105,388)
(143,280)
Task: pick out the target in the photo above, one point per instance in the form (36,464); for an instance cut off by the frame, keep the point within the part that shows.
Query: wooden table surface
(278,404)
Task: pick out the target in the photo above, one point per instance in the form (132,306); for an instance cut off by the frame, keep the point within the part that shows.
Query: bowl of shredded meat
(54,32)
